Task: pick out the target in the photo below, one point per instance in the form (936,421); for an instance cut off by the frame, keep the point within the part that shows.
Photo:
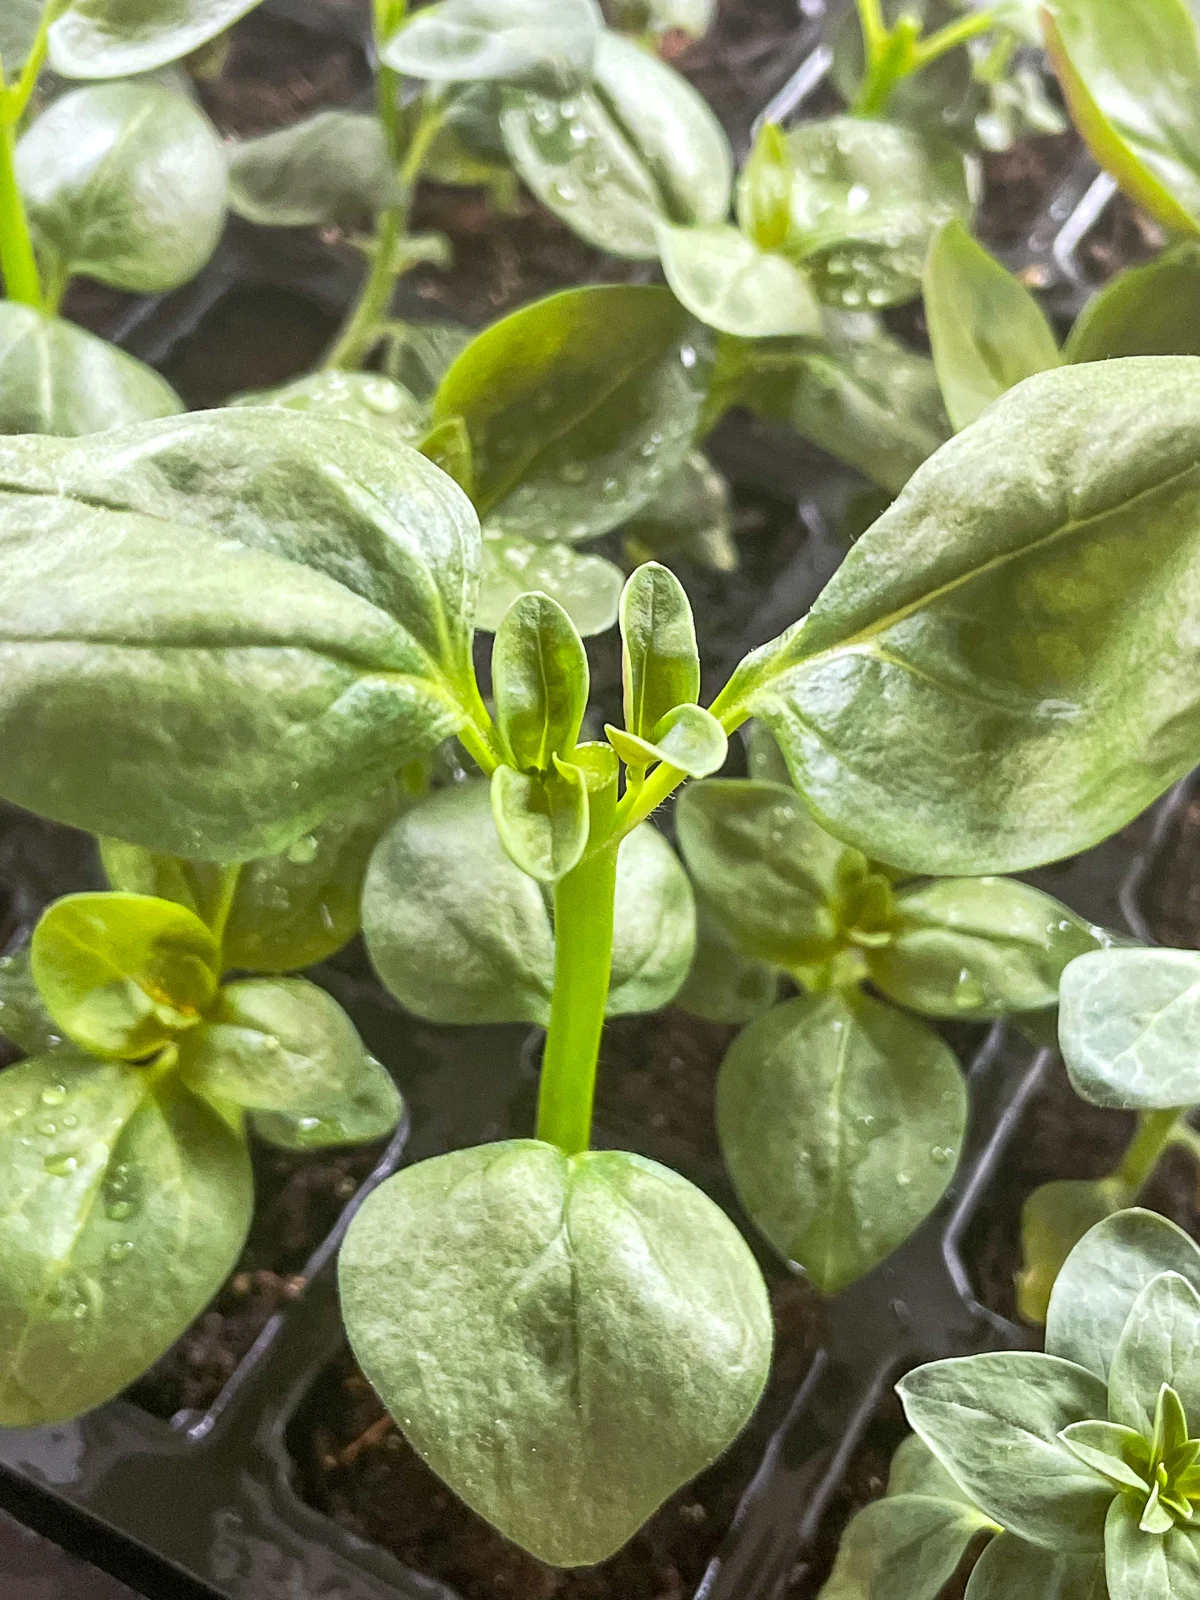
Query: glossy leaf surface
(1091,556)
(274,612)
(331,169)
(124,974)
(1144,311)
(530,1278)
(370,1109)
(660,660)
(540,680)
(840,1122)
(1129,1028)
(587,587)
(59,379)
(636,148)
(549,44)
(120,38)
(125,1202)
(691,515)
(723,278)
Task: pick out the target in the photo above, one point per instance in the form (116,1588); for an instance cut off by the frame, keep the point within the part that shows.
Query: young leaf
(1129,1027)
(542,818)
(485,1291)
(761,863)
(722,984)
(1102,1279)
(540,680)
(867,198)
(1133,93)
(331,169)
(1144,311)
(994,1420)
(274,1044)
(578,408)
(637,147)
(125,183)
(1054,1219)
(369,1109)
(733,285)
(1120,1453)
(986,329)
(587,587)
(547,44)
(59,379)
(1160,1343)
(1092,562)
(365,397)
(1010,1567)
(1148,1566)
(448,446)
(459,934)
(660,661)
(124,974)
(909,1545)
(24,1020)
(840,1122)
(978,947)
(124,1202)
(229,584)
(764,190)
(689,738)
(690,516)
(121,38)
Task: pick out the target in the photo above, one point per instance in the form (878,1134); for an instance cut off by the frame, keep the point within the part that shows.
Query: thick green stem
(583,936)
(1157,1131)
(17,260)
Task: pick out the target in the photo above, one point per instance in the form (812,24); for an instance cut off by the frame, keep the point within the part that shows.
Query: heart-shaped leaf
(487,1291)
(587,587)
(332,169)
(121,38)
(124,1203)
(547,44)
(1129,1027)
(840,1122)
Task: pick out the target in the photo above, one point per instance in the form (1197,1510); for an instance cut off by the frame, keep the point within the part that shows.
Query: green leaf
(1120,1453)
(56,378)
(125,183)
(587,587)
(1129,1027)
(978,947)
(1054,1219)
(1148,1566)
(637,147)
(1009,1567)
(426,353)
(458,933)
(274,1044)
(1133,94)
(722,984)
(387,408)
(448,446)
(540,681)
(268,613)
(986,329)
(731,284)
(1160,1343)
(124,974)
(549,44)
(764,189)
(332,169)
(18,29)
(124,1203)
(1102,1279)
(910,1545)
(487,1291)
(762,864)
(690,516)
(24,1020)
(542,818)
(369,1110)
(121,38)
(578,407)
(867,198)
(1089,558)
(916,1470)
(840,1122)
(660,660)
(1144,311)
(688,737)
(994,1420)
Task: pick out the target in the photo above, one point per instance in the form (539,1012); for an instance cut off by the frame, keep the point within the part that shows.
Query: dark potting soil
(1123,237)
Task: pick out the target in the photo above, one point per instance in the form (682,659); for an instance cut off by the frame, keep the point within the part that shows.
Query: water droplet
(61,1165)
(564,191)
(852,297)
(304,850)
(326,916)
(858,197)
(119,1210)
(877,297)
(687,356)
(941,1154)
(545,116)
(903,1179)
(46,1127)
(573,472)
(54,1094)
(120,1249)
(70,1121)
(578,133)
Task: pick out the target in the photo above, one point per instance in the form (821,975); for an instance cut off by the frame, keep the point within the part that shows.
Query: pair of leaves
(1089,556)
(575,1336)
(459,933)
(123,38)
(540,44)
(269,612)
(126,183)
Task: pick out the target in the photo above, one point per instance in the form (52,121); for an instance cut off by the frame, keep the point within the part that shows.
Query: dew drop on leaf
(54,1094)
(62,1164)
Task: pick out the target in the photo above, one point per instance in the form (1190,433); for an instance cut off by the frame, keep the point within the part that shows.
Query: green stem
(874,29)
(583,936)
(1157,1130)
(18,264)
(951,36)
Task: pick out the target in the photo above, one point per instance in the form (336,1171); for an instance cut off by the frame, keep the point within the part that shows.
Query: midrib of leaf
(94,183)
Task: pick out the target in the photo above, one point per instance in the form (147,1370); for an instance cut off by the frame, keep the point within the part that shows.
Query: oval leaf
(636,148)
(369,1110)
(332,169)
(1144,311)
(727,281)
(1091,558)
(688,738)
(840,1122)
(1139,1565)
(540,681)
(660,660)
(124,974)
(548,44)
(272,612)
(587,587)
(124,1203)
(1129,1028)
(120,38)
(530,1279)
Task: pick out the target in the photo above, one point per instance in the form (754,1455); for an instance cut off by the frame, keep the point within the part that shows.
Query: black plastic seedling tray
(206,1505)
